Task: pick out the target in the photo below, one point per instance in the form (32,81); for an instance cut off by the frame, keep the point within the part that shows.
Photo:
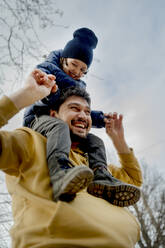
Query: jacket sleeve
(16,151)
(130,171)
(28,116)
(7,110)
(97,119)
(16,147)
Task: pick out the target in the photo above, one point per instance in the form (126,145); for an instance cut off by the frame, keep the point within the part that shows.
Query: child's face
(75,68)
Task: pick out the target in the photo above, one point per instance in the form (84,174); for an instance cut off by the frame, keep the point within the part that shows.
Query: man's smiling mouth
(80,124)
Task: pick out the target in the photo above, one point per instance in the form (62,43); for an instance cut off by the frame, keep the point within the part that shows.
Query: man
(87,221)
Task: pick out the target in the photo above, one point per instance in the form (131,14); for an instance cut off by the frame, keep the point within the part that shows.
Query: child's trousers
(59,142)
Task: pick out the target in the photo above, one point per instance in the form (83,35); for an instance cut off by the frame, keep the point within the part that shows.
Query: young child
(68,66)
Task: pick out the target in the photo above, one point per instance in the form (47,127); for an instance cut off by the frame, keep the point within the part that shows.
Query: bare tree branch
(20,41)
(150,210)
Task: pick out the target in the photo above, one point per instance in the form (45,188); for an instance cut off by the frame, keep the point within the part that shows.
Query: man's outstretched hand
(37,86)
(41,84)
(114,129)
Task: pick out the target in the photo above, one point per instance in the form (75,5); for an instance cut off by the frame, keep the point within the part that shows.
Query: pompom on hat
(81,46)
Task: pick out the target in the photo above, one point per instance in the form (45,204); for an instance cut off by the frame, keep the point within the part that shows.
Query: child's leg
(66,179)
(104,184)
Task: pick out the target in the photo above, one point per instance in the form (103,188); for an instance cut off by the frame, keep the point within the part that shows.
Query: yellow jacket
(87,221)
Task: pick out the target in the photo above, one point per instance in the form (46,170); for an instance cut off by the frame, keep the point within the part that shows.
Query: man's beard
(82,141)
(77,138)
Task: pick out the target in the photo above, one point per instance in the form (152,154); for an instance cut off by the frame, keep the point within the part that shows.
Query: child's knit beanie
(81,46)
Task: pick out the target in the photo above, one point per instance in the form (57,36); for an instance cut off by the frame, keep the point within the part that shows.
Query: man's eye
(88,112)
(74,108)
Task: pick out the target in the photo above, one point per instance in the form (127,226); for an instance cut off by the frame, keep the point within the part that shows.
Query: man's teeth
(80,125)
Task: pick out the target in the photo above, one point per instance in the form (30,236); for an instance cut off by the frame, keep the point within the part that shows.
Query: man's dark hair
(71,91)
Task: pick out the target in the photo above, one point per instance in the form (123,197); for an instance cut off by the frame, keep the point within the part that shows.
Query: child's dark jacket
(52,66)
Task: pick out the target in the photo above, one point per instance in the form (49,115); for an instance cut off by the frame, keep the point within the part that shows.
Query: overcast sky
(128,73)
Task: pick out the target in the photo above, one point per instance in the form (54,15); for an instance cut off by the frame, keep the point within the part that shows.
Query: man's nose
(82,115)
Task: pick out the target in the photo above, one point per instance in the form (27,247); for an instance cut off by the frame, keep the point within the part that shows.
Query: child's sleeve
(97,119)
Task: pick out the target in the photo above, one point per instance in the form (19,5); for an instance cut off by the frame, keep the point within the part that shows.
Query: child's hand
(47,80)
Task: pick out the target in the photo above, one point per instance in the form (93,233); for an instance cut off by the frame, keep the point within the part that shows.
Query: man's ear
(53,113)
